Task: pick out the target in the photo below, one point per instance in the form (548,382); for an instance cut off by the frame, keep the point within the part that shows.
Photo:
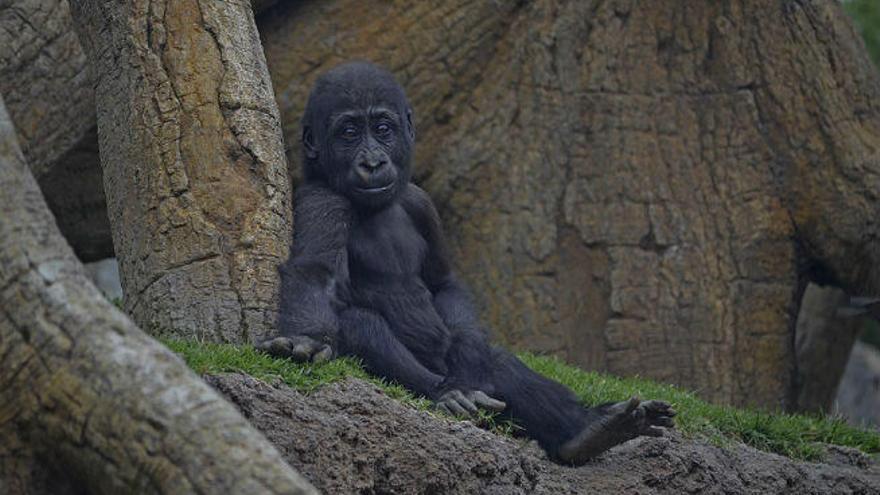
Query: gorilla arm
(468,358)
(451,299)
(307,322)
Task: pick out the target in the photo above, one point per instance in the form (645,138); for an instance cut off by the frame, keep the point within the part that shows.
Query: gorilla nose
(373,164)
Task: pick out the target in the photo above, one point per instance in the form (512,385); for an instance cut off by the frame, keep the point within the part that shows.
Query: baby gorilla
(369,276)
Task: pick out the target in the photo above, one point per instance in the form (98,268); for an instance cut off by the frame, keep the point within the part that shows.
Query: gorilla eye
(383,129)
(349,131)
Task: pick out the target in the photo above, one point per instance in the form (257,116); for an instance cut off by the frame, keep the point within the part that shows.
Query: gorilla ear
(410,128)
(308,141)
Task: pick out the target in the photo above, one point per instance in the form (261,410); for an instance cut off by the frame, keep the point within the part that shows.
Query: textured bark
(87,400)
(50,95)
(822,346)
(44,80)
(640,187)
(74,189)
(194,167)
(48,92)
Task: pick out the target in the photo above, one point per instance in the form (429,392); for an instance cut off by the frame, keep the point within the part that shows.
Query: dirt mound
(349,437)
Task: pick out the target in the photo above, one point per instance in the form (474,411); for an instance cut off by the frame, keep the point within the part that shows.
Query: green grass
(205,358)
(791,435)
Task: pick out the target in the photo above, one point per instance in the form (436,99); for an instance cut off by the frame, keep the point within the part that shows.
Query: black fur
(369,274)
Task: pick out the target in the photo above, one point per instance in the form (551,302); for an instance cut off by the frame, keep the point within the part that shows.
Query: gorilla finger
(656,414)
(665,421)
(639,414)
(621,408)
(300,354)
(307,347)
(442,408)
(486,402)
(468,406)
(652,431)
(325,354)
(304,348)
(629,405)
(278,347)
(455,394)
(456,409)
(656,406)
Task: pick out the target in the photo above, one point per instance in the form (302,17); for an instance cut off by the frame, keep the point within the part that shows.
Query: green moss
(787,434)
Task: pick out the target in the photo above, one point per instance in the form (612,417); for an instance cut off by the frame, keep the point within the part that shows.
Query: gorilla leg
(549,412)
(366,335)
(568,431)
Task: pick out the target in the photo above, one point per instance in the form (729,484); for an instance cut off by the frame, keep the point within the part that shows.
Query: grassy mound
(792,435)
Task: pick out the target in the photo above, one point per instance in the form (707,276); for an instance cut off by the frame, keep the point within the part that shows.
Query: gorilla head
(358,134)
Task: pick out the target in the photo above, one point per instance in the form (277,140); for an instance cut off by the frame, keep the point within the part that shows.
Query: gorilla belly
(385,256)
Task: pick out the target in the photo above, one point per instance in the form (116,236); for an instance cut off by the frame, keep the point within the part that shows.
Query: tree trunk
(640,187)
(44,80)
(50,95)
(193,163)
(88,401)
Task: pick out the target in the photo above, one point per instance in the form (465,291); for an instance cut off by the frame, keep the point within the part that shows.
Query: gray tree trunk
(87,400)
(194,167)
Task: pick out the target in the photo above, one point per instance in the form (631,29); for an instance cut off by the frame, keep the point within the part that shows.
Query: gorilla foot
(614,424)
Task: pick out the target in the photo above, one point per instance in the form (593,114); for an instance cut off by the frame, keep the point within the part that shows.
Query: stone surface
(858,397)
(823,340)
(105,275)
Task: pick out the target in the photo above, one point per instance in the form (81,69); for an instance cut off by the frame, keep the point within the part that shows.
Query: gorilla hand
(299,348)
(458,403)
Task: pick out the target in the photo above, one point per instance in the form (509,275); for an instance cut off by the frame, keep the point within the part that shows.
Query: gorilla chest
(385,249)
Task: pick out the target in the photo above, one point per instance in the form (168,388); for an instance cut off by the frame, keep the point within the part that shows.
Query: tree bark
(44,80)
(49,93)
(640,187)
(194,167)
(87,400)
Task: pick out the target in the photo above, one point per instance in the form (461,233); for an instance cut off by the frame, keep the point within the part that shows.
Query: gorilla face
(358,134)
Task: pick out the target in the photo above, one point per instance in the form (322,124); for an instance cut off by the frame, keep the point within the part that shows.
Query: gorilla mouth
(376,189)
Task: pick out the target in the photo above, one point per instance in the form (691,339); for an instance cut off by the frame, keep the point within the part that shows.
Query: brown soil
(350,437)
